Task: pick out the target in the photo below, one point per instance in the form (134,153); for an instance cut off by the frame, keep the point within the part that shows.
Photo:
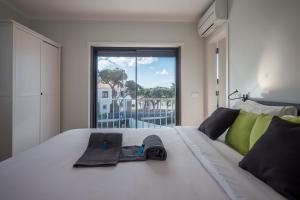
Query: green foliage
(116,78)
(157,92)
(131,87)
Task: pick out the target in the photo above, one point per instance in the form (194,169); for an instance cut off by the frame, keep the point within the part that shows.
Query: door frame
(92,63)
(220,33)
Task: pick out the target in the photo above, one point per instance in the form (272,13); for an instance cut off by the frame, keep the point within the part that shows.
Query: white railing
(125,113)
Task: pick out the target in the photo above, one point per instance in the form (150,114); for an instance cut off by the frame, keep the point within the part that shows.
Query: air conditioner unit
(212,18)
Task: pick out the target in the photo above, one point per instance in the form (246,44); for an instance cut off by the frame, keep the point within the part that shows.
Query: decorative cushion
(291,118)
(218,122)
(238,135)
(274,158)
(260,126)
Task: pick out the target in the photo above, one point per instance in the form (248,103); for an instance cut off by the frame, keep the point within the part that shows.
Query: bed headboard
(275,103)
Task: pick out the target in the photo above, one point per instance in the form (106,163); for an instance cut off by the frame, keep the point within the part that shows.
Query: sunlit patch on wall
(264,81)
(268,76)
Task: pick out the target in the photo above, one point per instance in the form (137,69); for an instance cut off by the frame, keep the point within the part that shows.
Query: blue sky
(151,71)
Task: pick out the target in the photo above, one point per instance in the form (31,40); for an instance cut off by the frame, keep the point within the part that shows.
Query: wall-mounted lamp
(244,97)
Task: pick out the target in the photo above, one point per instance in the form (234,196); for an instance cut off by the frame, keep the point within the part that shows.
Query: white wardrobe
(29,88)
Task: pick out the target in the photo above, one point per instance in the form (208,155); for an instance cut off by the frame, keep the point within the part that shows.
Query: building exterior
(106,103)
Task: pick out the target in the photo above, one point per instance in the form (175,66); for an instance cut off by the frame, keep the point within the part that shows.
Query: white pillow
(222,137)
(290,110)
(252,106)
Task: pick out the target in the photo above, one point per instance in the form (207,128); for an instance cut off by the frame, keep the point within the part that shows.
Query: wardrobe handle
(41,93)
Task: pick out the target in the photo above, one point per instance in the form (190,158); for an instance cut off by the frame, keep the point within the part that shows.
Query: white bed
(196,168)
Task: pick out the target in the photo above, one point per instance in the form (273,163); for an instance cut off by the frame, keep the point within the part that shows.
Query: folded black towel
(103,150)
(152,149)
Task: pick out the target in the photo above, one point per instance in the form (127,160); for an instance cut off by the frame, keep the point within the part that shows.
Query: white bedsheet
(196,168)
(45,172)
(221,162)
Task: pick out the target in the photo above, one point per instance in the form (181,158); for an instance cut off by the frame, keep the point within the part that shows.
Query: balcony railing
(127,113)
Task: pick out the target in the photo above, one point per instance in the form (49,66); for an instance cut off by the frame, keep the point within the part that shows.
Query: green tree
(172,90)
(154,95)
(171,94)
(131,87)
(114,78)
(160,93)
(146,94)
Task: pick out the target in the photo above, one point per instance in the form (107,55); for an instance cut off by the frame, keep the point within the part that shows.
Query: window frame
(93,77)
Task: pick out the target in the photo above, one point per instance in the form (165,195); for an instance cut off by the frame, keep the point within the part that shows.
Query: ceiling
(112,10)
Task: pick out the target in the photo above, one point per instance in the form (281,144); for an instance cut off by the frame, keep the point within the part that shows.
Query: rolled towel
(154,148)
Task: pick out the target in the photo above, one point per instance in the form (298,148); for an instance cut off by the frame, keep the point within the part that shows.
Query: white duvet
(221,162)
(196,168)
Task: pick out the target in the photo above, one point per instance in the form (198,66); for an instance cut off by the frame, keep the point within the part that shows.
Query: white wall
(264,48)
(74,37)
(8,12)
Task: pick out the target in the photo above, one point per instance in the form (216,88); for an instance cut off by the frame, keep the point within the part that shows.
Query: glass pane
(116,92)
(156,92)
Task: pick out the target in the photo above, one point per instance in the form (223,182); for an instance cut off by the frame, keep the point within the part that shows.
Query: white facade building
(105,100)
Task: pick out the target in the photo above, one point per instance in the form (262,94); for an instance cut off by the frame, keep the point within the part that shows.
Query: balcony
(125,113)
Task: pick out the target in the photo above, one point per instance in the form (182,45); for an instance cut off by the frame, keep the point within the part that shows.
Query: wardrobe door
(26,101)
(50,72)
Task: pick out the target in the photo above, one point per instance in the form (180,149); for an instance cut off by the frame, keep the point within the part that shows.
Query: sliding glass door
(135,87)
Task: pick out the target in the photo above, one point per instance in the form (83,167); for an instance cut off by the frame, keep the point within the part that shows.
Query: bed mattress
(196,168)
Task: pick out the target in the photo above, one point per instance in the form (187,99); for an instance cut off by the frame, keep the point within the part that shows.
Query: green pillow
(260,126)
(239,133)
(292,119)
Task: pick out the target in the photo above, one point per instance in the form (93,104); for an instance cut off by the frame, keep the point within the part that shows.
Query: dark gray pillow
(275,158)
(218,122)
